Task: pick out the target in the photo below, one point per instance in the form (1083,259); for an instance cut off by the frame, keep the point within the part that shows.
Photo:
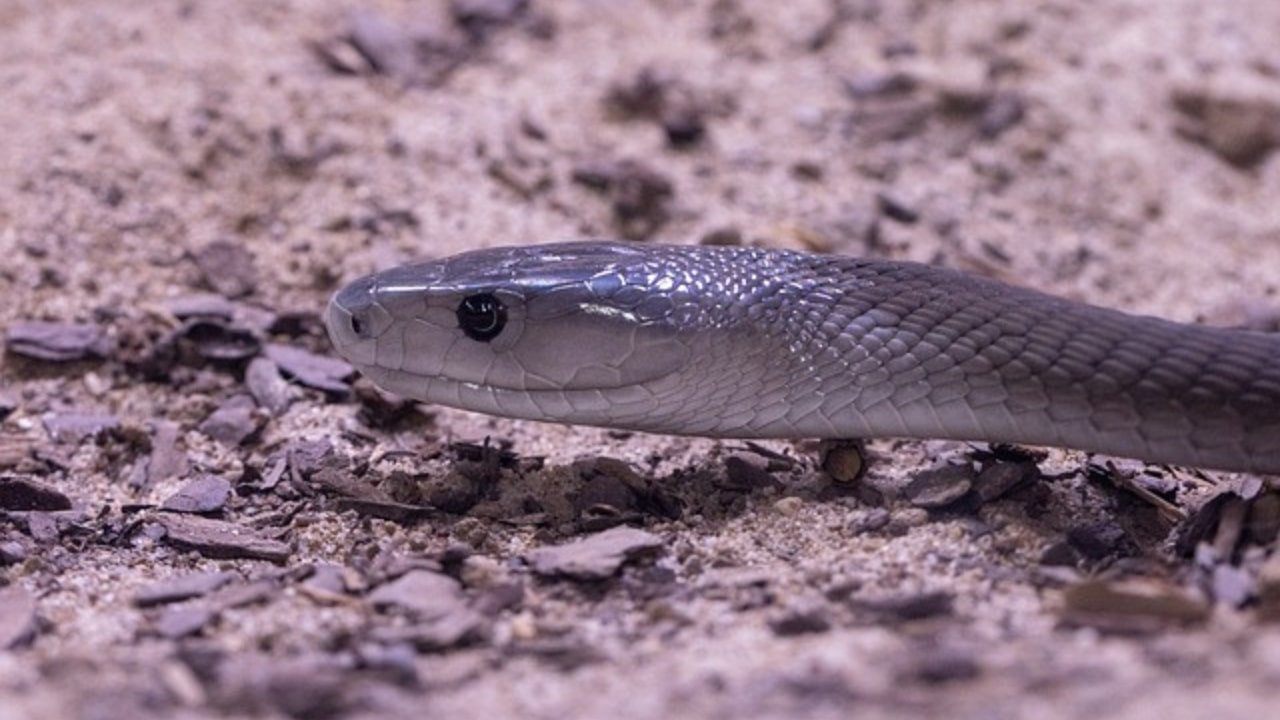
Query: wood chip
(421,593)
(314,371)
(234,421)
(182,588)
(17,617)
(266,385)
(57,342)
(72,427)
(1136,605)
(802,619)
(177,622)
(215,339)
(903,607)
(940,486)
(204,305)
(219,539)
(227,267)
(205,494)
(597,557)
(1001,478)
(640,195)
(166,460)
(21,493)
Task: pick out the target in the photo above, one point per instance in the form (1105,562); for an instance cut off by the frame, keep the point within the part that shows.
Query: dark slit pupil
(481,316)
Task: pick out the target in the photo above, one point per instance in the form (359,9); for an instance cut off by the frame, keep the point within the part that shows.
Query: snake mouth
(590,406)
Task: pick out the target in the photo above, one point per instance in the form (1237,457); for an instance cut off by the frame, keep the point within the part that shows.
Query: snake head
(534,330)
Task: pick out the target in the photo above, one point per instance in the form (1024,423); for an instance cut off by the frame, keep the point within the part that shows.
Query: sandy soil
(1112,151)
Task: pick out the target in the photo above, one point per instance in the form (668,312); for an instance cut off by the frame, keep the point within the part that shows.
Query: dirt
(201,516)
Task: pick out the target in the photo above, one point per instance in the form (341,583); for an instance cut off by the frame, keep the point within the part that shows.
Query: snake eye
(481,316)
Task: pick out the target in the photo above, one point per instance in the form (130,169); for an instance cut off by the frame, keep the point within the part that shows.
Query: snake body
(755,343)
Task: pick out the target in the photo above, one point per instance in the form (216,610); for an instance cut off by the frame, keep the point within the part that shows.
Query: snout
(355,320)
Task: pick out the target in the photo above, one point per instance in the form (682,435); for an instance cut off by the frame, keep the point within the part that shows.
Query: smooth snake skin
(752,343)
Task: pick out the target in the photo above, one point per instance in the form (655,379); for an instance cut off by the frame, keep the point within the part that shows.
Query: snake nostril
(358,326)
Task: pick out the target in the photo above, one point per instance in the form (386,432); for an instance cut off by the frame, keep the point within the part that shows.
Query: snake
(754,343)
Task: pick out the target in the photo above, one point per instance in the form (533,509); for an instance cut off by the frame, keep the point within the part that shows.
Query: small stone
(870,521)
(233,422)
(215,339)
(422,593)
(165,460)
(1131,605)
(328,578)
(803,620)
(1060,554)
(1237,117)
(24,494)
(227,267)
(937,667)
(878,85)
(1263,524)
(748,471)
(205,494)
(597,557)
(896,208)
(203,305)
(640,195)
(722,237)
(1000,478)
(182,588)
(177,622)
(42,526)
(219,539)
(1269,588)
(72,427)
(907,607)
(1004,111)
(315,371)
(266,385)
(17,617)
(940,486)
(1098,540)
(1232,586)
(57,342)
(903,520)
(12,552)
(789,506)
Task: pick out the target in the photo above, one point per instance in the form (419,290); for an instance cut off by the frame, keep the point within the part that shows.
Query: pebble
(596,557)
(805,619)
(227,267)
(1237,117)
(17,617)
(789,506)
(22,494)
(181,588)
(57,342)
(1000,478)
(234,421)
(1131,605)
(940,486)
(422,593)
(205,494)
(218,539)
(314,371)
